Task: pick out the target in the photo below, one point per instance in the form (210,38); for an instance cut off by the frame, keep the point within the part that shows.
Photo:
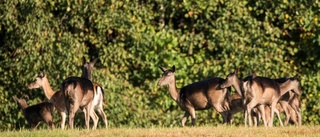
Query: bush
(132,38)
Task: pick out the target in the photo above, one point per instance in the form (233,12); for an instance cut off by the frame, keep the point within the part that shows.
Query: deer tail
(67,87)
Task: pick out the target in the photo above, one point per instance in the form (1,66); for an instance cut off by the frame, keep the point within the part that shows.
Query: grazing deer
(98,92)
(56,98)
(290,101)
(197,96)
(36,113)
(295,103)
(236,106)
(287,109)
(292,85)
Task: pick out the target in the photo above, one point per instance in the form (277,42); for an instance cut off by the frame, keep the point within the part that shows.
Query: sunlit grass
(222,130)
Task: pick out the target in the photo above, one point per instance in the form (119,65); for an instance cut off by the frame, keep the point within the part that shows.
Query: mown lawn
(204,131)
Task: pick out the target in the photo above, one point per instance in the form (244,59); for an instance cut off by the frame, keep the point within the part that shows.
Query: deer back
(263,86)
(78,88)
(200,94)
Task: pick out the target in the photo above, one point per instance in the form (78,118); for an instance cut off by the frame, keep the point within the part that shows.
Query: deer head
(167,76)
(22,103)
(87,68)
(38,81)
(292,83)
(230,80)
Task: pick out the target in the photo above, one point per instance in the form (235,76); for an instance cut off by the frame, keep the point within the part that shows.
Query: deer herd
(258,97)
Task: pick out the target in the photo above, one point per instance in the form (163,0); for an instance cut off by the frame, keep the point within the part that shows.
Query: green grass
(230,131)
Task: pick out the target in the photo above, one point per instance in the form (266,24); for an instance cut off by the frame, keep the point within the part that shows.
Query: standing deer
(197,96)
(265,91)
(233,80)
(36,113)
(98,92)
(56,98)
(41,81)
(78,92)
(283,104)
(239,100)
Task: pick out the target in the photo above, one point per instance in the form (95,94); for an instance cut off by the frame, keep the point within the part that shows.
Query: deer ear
(296,76)
(173,68)
(93,62)
(163,69)
(236,71)
(254,74)
(41,74)
(83,60)
(26,97)
(15,99)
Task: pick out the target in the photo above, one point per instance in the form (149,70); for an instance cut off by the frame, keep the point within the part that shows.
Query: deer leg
(89,110)
(245,117)
(263,114)
(226,117)
(63,119)
(193,116)
(34,125)
(103,115)
(298,114)
(73,109)
(273,107)
(256,116)
(292,115)
(245,111)
(286,108)
(278,114)
(47,118)
(185,118)
(95,119)
(299,117)
(251,105)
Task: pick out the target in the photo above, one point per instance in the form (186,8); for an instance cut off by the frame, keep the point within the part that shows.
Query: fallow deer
(41,81)
(290,100)
(236,106)
(296,103)
(292,85)
(265,91)
(56,98)
(289,113)
(78,92)
(36,113)
(240,101)
(233,80)
(197,96)
(98,99)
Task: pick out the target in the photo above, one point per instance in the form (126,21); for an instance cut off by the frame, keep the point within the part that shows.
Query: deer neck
(86,74)
(23,106)
(238,86)
(284,88)
(47,89)
(174,92)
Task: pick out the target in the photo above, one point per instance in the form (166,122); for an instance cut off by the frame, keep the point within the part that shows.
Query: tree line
(131,39)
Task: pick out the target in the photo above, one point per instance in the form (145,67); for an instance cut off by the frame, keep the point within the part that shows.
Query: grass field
(203,131)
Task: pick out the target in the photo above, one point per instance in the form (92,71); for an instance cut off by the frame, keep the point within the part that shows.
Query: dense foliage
(203,38)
